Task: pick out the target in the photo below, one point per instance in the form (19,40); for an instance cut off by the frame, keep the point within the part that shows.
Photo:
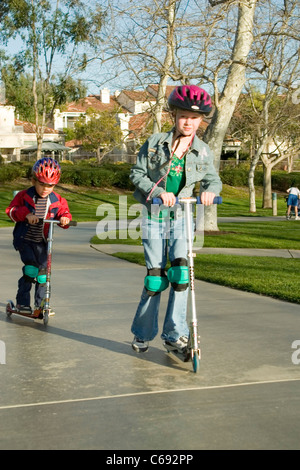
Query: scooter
(192,352)
(44,312)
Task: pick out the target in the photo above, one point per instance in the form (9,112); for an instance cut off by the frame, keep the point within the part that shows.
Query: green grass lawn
(276,277)
(267,235)
(273,235)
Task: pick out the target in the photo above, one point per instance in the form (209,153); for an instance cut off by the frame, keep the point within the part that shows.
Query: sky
(97,77)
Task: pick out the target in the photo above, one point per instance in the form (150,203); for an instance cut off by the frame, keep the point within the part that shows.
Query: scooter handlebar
(72,223)
(158,200)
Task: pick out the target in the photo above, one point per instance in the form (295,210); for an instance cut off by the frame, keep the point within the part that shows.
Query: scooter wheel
(9,309)
(196,363)
(45,318)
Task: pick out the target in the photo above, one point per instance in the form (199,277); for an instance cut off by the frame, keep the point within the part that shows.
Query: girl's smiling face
(187,122)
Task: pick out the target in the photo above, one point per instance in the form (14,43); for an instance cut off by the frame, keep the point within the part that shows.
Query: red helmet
(47,170)
(190,98)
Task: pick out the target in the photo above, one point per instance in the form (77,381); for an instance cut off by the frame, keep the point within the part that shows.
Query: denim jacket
(153,162)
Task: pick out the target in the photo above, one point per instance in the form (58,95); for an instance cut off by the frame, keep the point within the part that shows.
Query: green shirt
(175,182)
(176,176)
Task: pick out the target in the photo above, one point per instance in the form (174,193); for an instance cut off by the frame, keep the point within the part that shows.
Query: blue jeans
(32,254)
(161,239)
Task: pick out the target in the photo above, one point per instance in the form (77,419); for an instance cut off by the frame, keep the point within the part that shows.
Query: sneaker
(179,345)
(24,309)
(139,345)
(297,218)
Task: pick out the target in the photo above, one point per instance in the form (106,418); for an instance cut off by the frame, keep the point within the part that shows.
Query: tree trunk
(251,175)
(39,139)
(225,106)
(269,164)
(252,202)
(99,158)
(267,187)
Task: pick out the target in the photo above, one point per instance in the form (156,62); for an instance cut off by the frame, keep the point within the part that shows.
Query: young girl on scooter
(169,165)
(27,210)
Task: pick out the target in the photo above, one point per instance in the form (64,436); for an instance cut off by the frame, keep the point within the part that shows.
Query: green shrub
(281,180)
(11,172)
(238,176)
(105,176)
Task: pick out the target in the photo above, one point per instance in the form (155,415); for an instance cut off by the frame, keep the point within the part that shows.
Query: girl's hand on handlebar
(168,199)
(207,198)
(64,221)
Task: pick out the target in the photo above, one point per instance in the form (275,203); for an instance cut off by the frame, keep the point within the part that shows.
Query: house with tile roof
(16,135)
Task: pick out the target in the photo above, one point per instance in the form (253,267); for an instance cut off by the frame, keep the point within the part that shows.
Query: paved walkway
(77,383)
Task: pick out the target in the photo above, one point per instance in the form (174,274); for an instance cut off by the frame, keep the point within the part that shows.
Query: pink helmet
(190,98)
(47,170)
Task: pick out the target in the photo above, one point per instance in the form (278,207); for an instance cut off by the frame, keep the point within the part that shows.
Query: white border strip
(156,392)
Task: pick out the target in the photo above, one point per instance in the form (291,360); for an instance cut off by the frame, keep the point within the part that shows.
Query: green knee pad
(30,271)
(42,279)
(178,274)
(156,281)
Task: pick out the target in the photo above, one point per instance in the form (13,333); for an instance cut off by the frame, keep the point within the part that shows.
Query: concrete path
(77,383)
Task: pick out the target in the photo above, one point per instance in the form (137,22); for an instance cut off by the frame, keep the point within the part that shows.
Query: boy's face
(187,122)
(43,189)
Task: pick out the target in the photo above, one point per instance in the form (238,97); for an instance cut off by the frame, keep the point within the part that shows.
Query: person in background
(294,195)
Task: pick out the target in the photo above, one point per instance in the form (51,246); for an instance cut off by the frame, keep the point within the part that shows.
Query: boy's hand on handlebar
(32,219)
(207,198)
(64,221)
(168,199)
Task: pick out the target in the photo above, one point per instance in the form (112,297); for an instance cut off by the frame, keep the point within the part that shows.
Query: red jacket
(24,203)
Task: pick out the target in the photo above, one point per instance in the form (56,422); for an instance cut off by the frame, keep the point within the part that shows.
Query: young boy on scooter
(169,165)
(27,210)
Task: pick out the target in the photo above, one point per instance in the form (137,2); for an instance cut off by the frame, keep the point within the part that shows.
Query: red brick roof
(138,95)
(73,143)
(154,87)
(30,128)
(92,101)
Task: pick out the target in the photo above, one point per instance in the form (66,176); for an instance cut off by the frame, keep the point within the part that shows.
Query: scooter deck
(12,310)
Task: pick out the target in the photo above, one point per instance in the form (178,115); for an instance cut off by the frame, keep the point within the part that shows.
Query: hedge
(106,175)
(238,176)
(12,172)
(117,175)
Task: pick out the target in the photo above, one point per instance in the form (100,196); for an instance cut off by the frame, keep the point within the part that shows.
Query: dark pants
(34,254)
